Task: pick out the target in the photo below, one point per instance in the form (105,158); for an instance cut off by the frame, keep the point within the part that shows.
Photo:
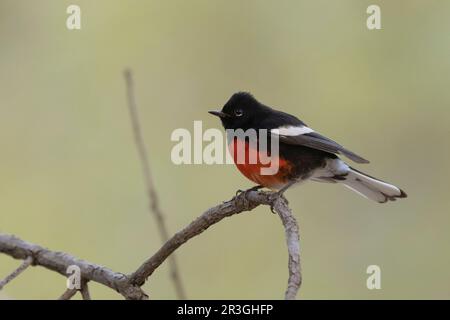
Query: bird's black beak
(219,114)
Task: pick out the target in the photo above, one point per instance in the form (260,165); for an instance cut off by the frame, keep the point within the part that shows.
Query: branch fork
(129,286)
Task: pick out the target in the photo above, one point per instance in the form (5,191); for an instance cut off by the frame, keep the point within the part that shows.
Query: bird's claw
(255,188)
(272,209)
(276,196)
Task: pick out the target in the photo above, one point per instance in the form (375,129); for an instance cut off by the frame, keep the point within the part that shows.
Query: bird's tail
(372,188)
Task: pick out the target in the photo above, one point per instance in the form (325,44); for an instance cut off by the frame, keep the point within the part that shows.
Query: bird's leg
(280,194)
(255,188)
(287,186)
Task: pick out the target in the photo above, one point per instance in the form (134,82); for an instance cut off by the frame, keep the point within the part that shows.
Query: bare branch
(60,261)
(129,286)
(25,264)
(245,201)
(68,294)
(151,190)
(85,291)
(293,245)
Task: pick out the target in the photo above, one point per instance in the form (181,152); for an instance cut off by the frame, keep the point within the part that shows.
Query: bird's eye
(238,112)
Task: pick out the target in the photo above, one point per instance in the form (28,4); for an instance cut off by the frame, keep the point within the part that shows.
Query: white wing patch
(292,130)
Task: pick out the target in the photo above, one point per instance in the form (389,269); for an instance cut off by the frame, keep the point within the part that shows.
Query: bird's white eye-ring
(238,112)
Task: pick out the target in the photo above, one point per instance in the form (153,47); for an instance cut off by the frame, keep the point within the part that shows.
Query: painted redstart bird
(303,153)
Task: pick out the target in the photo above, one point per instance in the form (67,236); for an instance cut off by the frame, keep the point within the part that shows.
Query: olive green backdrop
(70,178)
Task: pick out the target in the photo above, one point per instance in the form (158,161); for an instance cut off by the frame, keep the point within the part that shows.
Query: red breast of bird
(250,161)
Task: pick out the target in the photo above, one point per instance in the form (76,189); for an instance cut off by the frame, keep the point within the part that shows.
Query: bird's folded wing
(305,136)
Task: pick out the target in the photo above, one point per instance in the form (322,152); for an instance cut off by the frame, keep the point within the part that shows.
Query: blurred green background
(71,179)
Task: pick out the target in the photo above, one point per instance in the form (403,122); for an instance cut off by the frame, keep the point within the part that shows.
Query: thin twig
(25,264)
(151,190)
(68,294)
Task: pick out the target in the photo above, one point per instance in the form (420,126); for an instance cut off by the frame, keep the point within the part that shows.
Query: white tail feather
(371,188)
